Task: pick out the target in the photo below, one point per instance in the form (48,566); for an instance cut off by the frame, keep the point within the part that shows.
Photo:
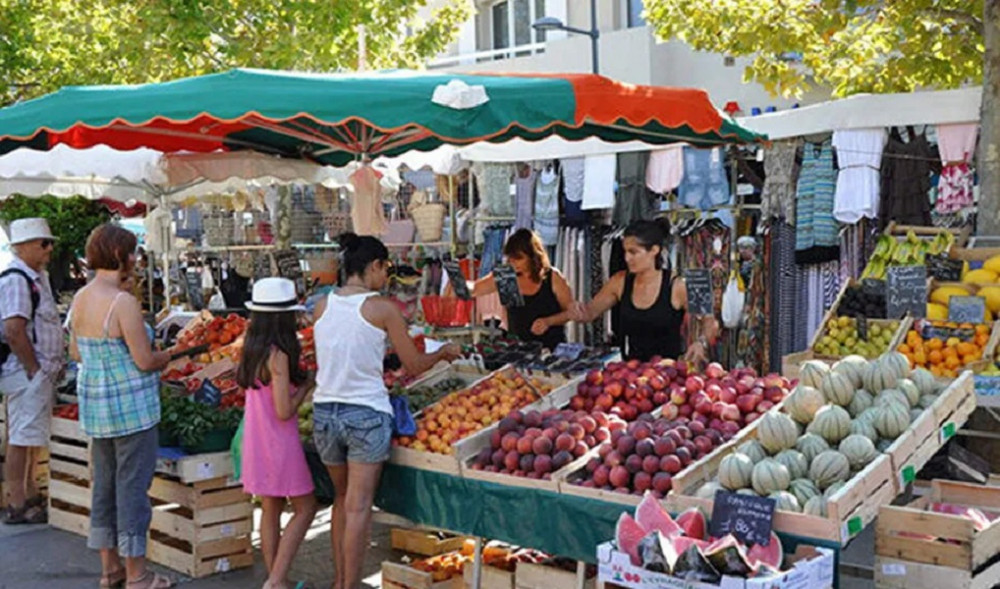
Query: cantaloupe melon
(769,476)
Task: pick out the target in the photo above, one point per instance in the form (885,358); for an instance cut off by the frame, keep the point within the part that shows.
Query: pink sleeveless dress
(274,464)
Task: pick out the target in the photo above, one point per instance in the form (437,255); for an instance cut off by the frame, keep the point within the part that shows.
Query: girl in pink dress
(273,464)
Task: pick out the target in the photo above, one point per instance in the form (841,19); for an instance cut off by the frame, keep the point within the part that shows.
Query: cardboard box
(813,569)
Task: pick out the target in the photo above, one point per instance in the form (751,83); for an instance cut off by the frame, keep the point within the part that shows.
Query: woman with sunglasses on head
(652,302)
(547,296)
(351,408)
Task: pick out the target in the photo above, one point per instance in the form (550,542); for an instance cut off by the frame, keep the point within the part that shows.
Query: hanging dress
(367,215)
(546,221)
(957,144)
(778,195)
(906,180)
(815,228)
(524,192)
(859,155)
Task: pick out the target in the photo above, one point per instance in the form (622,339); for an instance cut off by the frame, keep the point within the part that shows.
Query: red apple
(774,394)
(678,396)
(686,410)
(694,383)
(670,411)
(614,389)
(727,395)
(751,417)
(764,406)
(714,391)
(595,377)
(730,413)
(660,398)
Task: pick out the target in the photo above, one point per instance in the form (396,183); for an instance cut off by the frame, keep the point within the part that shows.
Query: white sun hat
(274,295)
(22,230)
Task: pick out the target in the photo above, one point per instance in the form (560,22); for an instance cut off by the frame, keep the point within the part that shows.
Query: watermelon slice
(979,519)
(771,555)
(691,565)
(682,543)
(651,516)
(628,535)
(727,556)
(693,523)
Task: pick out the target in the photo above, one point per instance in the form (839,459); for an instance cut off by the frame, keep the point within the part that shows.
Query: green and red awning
(334,118)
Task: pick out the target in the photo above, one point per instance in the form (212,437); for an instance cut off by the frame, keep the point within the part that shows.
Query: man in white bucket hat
(31,358)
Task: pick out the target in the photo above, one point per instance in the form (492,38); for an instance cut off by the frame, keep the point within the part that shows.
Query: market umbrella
(336,118)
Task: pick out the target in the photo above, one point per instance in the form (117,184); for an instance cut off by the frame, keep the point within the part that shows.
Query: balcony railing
(486,56)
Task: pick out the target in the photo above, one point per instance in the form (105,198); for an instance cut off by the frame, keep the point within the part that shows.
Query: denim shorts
(351,433)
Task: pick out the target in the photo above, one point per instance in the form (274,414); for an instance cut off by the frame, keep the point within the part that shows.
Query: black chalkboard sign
(930,331)
(748,517)
(943,268)
(873,287)
(457,280)
(966,309)
(510,293)
(907,292)
(208,394)
(196,298)
(290,267)
(262,266)
(699,291)
(862,324)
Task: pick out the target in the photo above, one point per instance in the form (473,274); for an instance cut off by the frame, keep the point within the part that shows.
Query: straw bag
(427,216)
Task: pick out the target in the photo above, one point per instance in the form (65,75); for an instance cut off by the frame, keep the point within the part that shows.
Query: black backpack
(36,298)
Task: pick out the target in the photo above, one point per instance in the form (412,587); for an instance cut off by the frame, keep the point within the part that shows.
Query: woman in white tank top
(351,410)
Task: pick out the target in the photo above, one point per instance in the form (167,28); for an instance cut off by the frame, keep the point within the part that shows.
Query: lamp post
(551,23)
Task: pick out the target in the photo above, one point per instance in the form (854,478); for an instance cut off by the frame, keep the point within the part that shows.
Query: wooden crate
(968,559)
(197,467)
(848,511)
(540,576)
(69,518)
(938,423)
(961,234)
(201,528)
(69,503)
(69,449)
(424,542)
(400,576)
(490,578)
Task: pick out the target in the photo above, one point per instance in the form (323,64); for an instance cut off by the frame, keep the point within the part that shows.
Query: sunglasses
(47,243)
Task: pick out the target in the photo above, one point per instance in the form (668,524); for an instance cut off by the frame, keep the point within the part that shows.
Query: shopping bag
(732,302)
(402,422)
(236,451)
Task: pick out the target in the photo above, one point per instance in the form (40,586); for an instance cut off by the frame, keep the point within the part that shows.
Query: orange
(912,338)
(905,349)
(920,357)
(970,358)
(952,362)
(965,348)
(936,370)
(935,356)
(982,339)
(934,344)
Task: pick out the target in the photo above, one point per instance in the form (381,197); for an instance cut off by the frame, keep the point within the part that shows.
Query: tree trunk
(989,134)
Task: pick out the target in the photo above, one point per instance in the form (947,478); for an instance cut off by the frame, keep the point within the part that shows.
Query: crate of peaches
(946,348)
(462,413)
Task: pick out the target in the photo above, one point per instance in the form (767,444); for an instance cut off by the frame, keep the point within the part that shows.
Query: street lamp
(551,23)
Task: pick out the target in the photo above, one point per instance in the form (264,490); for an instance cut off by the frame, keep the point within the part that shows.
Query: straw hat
(274,295)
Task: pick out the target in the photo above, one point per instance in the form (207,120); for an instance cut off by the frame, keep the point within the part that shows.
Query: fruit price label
(457,280)
(943,268)
(196,298)
(510,293)
(873,287)
(862,324)
(699,291)
(290,267)
(747,517)
(907,292)
(966,309)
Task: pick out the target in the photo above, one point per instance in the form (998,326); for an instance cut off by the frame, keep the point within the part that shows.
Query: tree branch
(957,15)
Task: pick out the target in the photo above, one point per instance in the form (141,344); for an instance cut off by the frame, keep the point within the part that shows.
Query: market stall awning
(335,118)
(144,175)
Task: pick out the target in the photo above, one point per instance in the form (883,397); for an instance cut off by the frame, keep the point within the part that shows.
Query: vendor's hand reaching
(540,326)
(451,352)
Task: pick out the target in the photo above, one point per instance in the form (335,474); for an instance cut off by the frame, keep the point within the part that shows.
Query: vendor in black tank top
(547,295)
(652,304)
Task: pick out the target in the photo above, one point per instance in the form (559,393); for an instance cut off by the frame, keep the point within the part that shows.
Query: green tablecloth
(564,525)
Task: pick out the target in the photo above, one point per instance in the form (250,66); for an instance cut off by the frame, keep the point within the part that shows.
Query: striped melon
(803,489)
(832,423)
(776,432)
(879,377)
(753,450)
(795,462)
(868,415)
(785,501)
(832,490)
(864,428)
(892,396)
(815,506)
(837,388)
(895,362)
(859,450)
(925,381)
(910,389)
(812,372)
(708,490)
(892,420)
(862,400)
(853,367)
(828,468)
(810,445)
(735,470)
(915,414)
(747,491)
(926,401)
(769,476)
(803,403)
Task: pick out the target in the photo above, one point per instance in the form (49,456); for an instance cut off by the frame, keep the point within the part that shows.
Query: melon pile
(682,547)
(836,421)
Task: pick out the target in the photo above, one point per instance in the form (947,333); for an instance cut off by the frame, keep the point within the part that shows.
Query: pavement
(33,557)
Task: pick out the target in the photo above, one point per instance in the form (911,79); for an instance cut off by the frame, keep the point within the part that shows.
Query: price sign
(966,309)
(747,517)
(569,351)
(943,268)
(290,267)
(457,280)
(699,291)
(907,292)
(862,325)
(507,288)
(196,298)
(208,394)
(873,287)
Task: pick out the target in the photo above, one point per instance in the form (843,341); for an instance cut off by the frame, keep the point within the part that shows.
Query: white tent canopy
(864,111)
(146,175)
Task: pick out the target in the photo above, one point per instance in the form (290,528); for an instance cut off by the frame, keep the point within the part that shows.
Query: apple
(686,410)
(657,382)
(747,403)
(613,389)
(704,407)
(694,383)
(660,398)
(764,406)
(731,413)
(595,377)
(678,396)
(751,417)
(714,391)
(670,411)
(715,370)
(774,394)
(671,464)
(704,444)
(727,395)
(604,402)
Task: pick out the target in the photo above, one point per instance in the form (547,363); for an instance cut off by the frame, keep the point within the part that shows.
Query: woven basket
(429,219)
